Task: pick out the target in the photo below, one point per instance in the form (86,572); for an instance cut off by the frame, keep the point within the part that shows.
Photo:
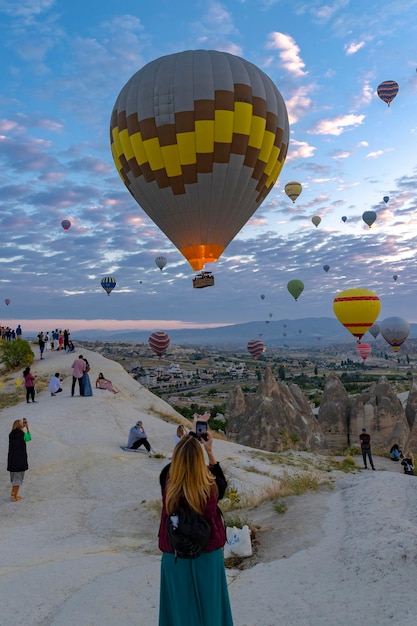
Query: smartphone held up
(201,430)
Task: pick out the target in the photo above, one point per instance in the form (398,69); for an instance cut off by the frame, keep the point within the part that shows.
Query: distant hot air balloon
(300,330)
(395,277)
(357,310)
(296,288)
(375,330)
(108,283)
(7,301)
(270,314)
(293,190)
(344,218)
(369,217)
(284,325)
(160,262)
(255,348)
(199,138)
(316,220)
(262,297)
(284,334)
(386,199)
(159,342)
(395,331)
(326,268)
(387,91)
(66,224)
(364,349)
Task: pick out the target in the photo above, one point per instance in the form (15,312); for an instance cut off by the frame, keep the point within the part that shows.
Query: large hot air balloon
(160,262)
(357,310)
(66,224)
(395,331)
(344,219)
(255,348)
(7,301)
(375,330)
(364,350)
(386,199)
(199,138)
(326,268)
(108,283)
(293,190)
(387,91)
(316,219)
(159,342)
(296,288)
(369,217)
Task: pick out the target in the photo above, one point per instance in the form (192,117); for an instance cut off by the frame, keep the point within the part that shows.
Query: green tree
(281,372)
(16,354)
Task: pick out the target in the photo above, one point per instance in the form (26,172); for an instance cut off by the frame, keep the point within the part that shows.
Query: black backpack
(188,532)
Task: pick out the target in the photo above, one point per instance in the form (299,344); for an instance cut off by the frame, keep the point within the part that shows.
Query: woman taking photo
(17,459)
(193,590)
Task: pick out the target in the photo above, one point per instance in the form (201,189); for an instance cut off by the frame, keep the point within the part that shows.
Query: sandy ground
(81,546)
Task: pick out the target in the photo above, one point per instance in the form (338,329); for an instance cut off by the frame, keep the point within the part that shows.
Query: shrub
(16,354)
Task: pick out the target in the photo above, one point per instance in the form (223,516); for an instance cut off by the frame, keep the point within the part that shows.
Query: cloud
(299,104)
(377,153)
(289,53)
(300,150)
(352,48)
(336,125)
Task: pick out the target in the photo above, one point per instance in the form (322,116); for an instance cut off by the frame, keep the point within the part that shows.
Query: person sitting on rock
(137,438)
(395,453)
(55,384)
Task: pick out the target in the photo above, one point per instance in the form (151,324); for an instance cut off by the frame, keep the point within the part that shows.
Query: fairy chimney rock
(379,410)
(274,418)
(333,415)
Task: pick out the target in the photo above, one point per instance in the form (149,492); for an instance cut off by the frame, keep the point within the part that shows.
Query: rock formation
(379,410)
(411,406)
(334,413)
(276,417)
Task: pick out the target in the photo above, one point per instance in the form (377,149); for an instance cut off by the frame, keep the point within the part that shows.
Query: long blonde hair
(189,476)
(17,424)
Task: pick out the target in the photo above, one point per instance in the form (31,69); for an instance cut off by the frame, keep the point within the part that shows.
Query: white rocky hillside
(81,546)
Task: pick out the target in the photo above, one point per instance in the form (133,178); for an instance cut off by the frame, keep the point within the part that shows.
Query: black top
(17,459)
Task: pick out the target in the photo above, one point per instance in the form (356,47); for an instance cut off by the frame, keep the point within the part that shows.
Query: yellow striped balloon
(357,309)
(293,190)
(199,138)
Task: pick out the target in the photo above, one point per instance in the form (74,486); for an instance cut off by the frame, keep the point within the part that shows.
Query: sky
(62,67)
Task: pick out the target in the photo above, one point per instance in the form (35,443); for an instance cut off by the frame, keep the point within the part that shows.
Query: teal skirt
(194,591)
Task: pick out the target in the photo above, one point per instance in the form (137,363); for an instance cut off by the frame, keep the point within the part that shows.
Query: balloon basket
(205,279)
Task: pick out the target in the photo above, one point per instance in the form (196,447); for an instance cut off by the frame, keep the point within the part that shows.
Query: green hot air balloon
(199,138)
(296,288)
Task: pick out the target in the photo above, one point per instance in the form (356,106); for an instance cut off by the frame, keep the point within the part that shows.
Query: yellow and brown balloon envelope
(199,138)
(293,190)
(357,309)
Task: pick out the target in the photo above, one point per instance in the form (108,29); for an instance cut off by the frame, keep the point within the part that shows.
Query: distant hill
(300,332)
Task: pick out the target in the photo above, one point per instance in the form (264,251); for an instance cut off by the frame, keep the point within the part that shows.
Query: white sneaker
(151,452)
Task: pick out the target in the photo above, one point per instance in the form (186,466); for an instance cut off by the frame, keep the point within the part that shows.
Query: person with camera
(17,458)
(187,483)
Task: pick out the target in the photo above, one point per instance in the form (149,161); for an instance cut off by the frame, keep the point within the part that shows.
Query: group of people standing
(55,340)
(10,334)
